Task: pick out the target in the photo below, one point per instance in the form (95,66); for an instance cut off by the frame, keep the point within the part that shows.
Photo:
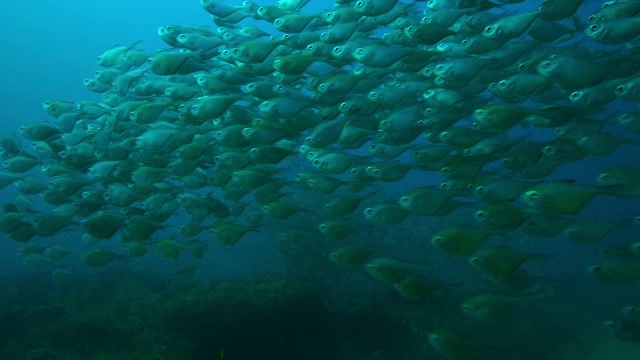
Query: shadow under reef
(120,314)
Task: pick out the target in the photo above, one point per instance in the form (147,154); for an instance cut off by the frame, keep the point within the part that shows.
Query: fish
(349,256)
(590,231)
(415,287)
(614,32)
(97,258)
(461,240)
(388,270)
(502,261)
(229,233)
(511,26)
(616,271)
(426,201)
(451,345)
(559,197)
(628,331)
(491,307)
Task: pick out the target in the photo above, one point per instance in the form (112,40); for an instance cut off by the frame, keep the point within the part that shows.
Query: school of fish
(318,115)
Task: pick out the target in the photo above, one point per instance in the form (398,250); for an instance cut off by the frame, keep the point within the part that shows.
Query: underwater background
(375,285)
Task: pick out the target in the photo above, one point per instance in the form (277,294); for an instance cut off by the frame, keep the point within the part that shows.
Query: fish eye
(278,21)
(481,215)
(405,200)
(410,28)
(369,211)
(533,195)
(465,42)
(438,239)
(481,189)
(488,29)
(445,170)
(549,150)
(591,19)
(329,15)
(593,27)
(621,89)
(596,268)
(360,4)
(474,260)
(575,95)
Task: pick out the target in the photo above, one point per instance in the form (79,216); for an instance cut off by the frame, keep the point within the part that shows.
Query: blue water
(49,47)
